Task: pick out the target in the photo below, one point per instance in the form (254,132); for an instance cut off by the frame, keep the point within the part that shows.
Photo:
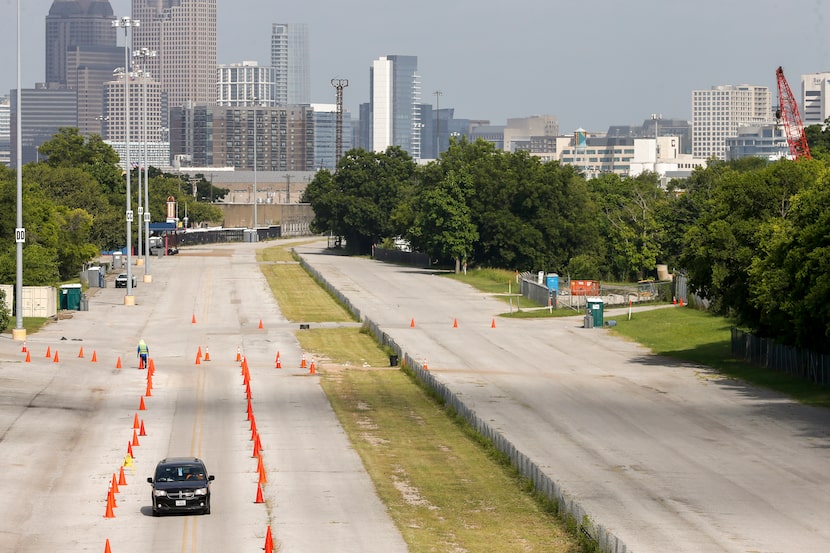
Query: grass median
(445,488)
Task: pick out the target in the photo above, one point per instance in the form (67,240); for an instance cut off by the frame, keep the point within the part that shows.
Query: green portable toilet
(595,306)
(71,297)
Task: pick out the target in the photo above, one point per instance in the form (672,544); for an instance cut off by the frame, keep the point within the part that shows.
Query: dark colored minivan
(181,485)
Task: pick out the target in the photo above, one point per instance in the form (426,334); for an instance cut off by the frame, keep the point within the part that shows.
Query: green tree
(631,222)
(443,227)
(721,245)
(356,202)
(789,278)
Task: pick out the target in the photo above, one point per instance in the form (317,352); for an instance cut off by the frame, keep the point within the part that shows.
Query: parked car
(121,281)
(181,485)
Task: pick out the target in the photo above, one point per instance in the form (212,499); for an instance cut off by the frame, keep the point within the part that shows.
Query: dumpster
(70,295)
(595,307)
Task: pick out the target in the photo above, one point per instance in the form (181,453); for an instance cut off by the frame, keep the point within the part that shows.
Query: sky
(591,64)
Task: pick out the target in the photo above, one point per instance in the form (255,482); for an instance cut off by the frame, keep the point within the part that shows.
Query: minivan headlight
(159,493)
(200,491)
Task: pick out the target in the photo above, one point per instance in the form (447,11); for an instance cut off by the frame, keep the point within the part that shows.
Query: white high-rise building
(815,98)
(5,131)
(245,84)
(395,104)
(718,112)
(183,33)
(291,62)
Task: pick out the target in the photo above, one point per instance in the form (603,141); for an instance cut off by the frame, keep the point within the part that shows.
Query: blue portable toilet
(552,281)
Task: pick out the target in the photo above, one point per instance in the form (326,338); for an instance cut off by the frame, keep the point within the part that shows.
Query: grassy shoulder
(698,337)
(445,489)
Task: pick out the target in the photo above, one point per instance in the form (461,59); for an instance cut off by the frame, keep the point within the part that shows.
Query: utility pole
(339,85)
(438,94)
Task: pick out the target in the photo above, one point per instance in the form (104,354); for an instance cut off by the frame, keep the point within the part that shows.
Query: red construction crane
(788,111)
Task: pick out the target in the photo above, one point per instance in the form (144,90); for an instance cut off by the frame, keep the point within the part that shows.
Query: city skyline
(591,65)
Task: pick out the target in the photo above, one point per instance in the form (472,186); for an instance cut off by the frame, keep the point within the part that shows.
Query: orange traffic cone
(193,319)
(263,479)
(24,349)
(141,406)
(250,410)
(118,363)
(260,323)
(199,352)
(121,480)
(257,446)
(152,367)
(455,323)
(28,356)
(681,302)
(135,421)
(48,351)
(94,357)
(277,361)
(426,367)
(141,431)
(207,354)
(140,362)
(248,389)
(493,323)
(312,369)
(55,360)
(302,362)
(81,352)
(149,391)
(269,541)
(412,323)
(130,450)
(198,359)
(135,439)
(259,494)
(107,547)
(109,513)
(114,484)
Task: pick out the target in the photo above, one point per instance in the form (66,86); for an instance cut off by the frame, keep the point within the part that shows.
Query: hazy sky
(590,63)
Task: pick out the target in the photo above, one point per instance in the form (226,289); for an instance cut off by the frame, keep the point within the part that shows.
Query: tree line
(752,236)
(74,206)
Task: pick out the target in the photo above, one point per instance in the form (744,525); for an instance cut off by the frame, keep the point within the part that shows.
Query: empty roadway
(668,456)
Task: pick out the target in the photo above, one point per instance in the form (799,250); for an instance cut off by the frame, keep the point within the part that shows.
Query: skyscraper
(291,63)
(183,33)
(395,98)
(815,98)
(244,84)
(717,113)
(74,23)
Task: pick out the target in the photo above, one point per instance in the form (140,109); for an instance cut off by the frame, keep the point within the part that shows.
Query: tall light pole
(255,206)
(126,23)
(19,333)
(145,53)
(438,94)
(339,85)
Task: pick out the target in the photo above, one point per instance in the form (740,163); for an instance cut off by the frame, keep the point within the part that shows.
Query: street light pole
(145,53)
(126,23)
(19,333)
(255,202)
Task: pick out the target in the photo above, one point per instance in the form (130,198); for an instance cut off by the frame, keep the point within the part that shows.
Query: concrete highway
(66,423)
(668,456)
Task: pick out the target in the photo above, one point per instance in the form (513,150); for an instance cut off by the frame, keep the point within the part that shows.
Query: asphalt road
(66,424)
(668,456)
